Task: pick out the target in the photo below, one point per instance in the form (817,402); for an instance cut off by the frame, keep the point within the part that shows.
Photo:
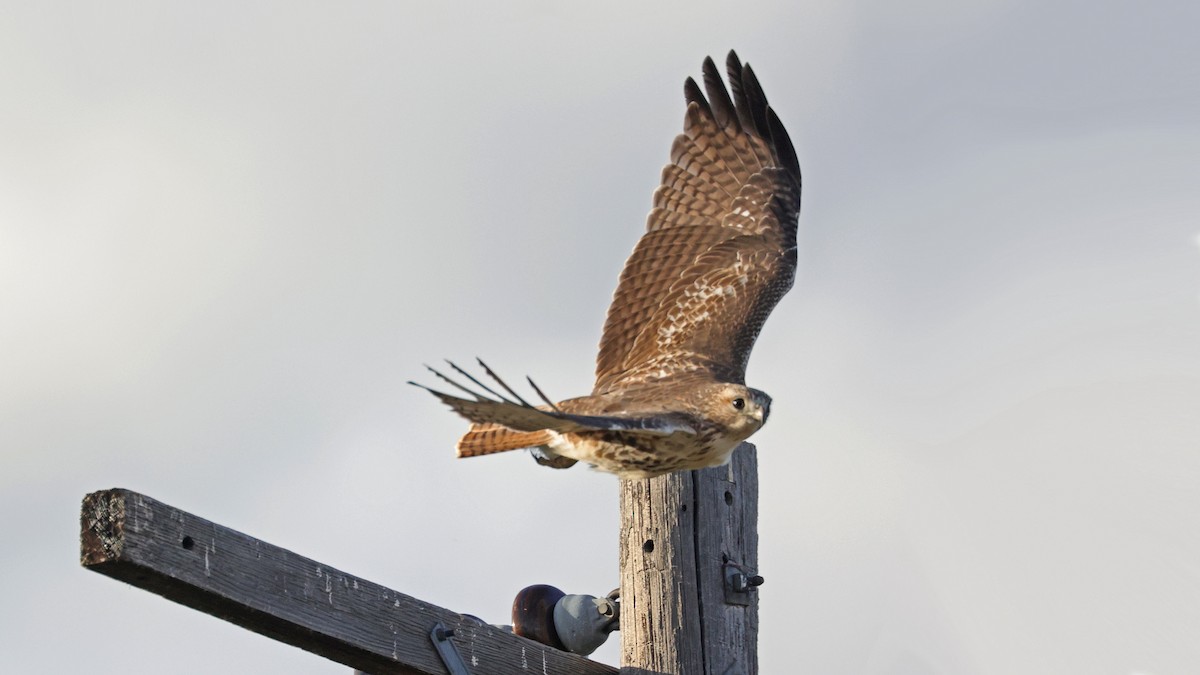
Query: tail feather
(485,439)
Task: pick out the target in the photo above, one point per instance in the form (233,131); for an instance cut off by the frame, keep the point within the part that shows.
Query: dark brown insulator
(533,614)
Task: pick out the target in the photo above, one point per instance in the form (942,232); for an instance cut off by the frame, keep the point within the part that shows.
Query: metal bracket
(739,582)
(446,649)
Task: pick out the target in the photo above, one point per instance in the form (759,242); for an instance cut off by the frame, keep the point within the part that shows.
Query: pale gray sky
(230,231)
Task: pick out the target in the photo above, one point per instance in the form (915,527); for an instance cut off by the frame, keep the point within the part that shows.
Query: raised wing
(720,246)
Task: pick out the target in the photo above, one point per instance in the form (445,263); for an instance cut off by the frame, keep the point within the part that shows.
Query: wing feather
(724,216)
(724,113)
(520,416)
(713,314)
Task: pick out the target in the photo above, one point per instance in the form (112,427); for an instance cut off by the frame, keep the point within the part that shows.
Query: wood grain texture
(679,533)
(293,599)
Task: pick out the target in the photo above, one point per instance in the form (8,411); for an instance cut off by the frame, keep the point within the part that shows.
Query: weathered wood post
(689,560)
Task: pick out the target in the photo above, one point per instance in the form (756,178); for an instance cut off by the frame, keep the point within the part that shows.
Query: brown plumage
(485,439)
(718,254)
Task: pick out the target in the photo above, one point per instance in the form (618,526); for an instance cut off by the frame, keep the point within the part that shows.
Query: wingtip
(719,99)
(785,150)
(422,386)
(732,62)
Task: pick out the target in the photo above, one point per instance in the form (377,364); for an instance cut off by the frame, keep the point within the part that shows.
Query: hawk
(718,253)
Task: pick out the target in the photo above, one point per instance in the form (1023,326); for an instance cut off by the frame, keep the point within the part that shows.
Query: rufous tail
(485,439)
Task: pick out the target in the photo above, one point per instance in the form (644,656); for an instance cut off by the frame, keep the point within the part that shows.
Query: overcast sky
(230,231)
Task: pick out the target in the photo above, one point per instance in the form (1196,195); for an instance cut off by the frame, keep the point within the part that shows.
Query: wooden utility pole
(689,560)
(688,557)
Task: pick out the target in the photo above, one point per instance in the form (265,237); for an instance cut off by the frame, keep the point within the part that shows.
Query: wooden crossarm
(293,599)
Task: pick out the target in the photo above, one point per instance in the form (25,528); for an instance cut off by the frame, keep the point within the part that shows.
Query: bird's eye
(739,403)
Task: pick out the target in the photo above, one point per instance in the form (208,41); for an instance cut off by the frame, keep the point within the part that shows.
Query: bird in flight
(718,254)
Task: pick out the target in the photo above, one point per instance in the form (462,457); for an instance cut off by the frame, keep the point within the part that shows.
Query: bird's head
(742,409)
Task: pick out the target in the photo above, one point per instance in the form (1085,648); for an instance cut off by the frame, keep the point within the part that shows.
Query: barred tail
(485,439)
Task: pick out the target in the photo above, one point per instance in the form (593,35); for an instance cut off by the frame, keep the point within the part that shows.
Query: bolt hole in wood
(648,547)
(188,543)
(729,497)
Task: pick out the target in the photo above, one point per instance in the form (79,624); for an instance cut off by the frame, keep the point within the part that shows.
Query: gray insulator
(583,622)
